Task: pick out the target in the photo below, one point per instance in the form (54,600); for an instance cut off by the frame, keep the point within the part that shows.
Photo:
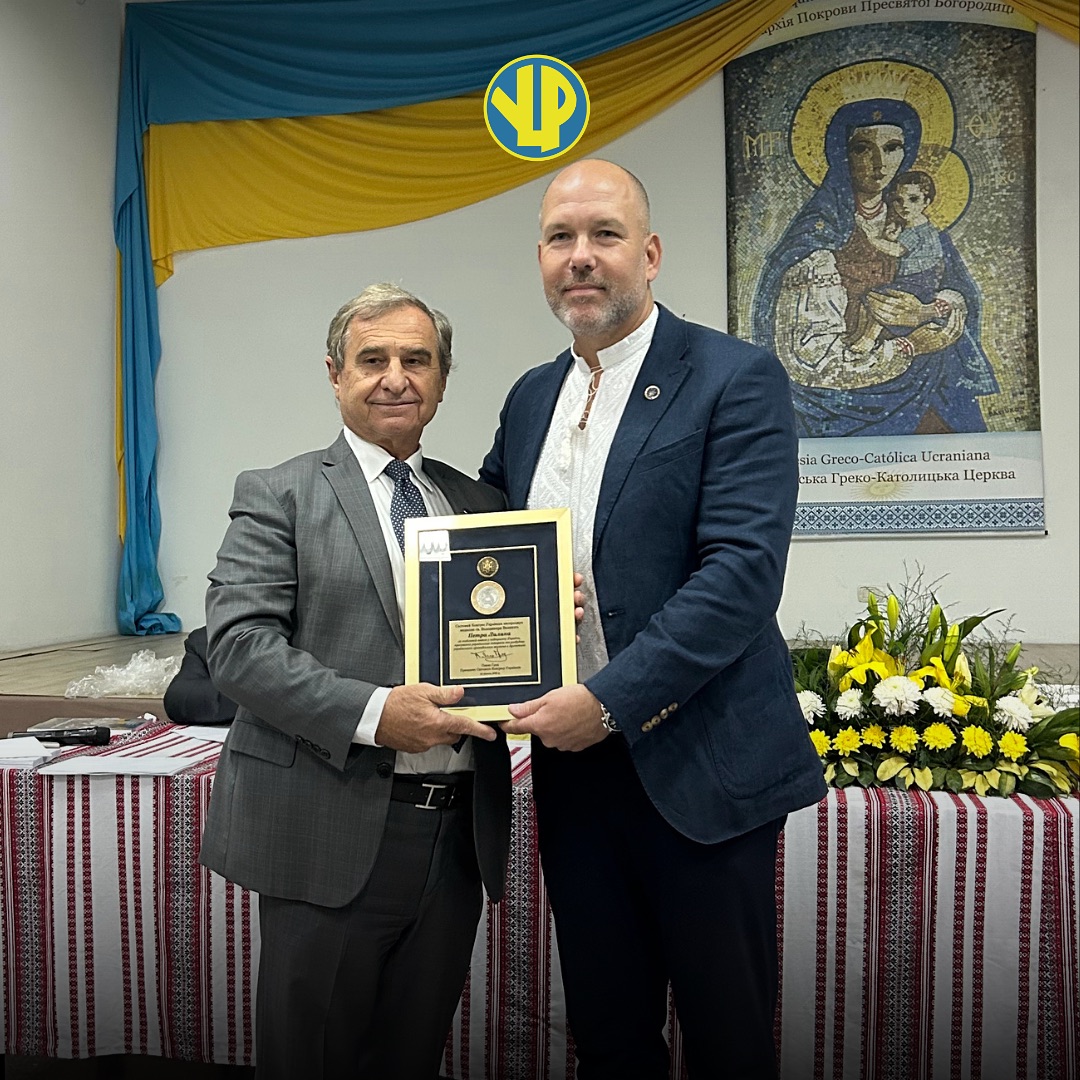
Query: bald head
(598,256)
(595,174)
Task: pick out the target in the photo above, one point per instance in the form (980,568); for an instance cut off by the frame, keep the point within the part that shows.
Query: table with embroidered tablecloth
(921,935)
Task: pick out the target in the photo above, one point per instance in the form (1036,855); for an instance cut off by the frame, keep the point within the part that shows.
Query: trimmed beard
(594,319)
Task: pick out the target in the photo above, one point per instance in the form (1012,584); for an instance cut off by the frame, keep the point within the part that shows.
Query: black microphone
(83,736)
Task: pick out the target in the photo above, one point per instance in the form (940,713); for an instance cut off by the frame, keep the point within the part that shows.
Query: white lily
(1029,694)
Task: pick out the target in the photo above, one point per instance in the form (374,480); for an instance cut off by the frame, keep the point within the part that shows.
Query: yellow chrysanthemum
(977,740)
(1013,745)
(874,735)
(822,742)
(939,736)
(847,741)
(904,738)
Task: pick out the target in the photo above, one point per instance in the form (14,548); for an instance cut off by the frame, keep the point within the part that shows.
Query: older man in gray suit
(352,804)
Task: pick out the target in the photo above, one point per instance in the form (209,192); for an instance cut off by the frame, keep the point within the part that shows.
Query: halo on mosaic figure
(889,79)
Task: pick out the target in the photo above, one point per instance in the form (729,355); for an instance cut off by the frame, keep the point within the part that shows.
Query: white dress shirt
(572,461)
(373,460)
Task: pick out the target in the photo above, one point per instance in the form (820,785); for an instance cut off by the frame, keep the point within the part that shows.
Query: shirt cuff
(369,719)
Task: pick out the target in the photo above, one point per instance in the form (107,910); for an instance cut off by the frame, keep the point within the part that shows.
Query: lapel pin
(652,393)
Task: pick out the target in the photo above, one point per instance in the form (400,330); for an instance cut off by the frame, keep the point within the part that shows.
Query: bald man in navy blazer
(663,779)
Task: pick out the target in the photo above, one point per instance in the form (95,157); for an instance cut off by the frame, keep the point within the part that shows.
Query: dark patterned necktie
(406,502)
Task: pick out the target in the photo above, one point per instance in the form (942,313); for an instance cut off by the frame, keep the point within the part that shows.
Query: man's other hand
(567,718)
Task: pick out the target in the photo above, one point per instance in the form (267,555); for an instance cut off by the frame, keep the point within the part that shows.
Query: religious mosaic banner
(881,241)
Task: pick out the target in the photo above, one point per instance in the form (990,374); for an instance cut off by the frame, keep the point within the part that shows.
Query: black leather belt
(431,792)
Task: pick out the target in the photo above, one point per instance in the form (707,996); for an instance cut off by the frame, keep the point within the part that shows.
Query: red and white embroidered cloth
(922,936)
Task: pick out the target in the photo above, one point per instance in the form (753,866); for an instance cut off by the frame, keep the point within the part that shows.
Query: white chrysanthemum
(811,704)
(1013,713)
(849,705)
(897,695)
(940,700)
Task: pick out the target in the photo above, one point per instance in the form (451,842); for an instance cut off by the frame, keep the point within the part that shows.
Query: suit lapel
(457,488)
(664,367)
(345,476)
(541,410)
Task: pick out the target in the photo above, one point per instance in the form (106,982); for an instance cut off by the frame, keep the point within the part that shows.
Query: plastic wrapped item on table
(144,675)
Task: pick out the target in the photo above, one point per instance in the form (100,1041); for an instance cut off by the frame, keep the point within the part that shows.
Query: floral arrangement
(912,700)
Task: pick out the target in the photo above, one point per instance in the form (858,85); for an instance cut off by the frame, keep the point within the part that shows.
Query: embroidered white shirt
(571,464)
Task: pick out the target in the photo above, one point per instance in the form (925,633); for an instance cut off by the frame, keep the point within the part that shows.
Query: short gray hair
(377,300)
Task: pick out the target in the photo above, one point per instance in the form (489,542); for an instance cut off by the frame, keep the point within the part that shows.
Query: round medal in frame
(488,597)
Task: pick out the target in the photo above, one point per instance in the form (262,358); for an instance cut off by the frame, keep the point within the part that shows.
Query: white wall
(242,381)
(59,64)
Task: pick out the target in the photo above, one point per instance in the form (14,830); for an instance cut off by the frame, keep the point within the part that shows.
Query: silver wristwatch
(606,720)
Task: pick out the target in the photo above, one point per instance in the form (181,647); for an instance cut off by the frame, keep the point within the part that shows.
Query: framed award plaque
(489,605)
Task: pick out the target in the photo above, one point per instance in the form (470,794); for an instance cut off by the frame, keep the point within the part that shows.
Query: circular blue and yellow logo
(536,107)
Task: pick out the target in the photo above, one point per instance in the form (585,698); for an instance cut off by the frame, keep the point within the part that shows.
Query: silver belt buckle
(432,788)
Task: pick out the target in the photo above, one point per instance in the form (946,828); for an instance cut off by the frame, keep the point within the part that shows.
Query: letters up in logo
(536,107)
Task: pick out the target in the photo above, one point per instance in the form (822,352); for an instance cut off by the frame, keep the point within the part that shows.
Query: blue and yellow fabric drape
(244,120)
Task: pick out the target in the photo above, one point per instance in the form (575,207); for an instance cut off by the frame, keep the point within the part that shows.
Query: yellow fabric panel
(232,182)
(1060,15)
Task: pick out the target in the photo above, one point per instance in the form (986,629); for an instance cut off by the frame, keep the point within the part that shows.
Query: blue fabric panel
(252,59)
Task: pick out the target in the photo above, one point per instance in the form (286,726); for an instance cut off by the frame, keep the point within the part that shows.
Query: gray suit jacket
(303,626)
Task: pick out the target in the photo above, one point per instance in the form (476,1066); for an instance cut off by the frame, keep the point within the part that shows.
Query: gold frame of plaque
(489,605)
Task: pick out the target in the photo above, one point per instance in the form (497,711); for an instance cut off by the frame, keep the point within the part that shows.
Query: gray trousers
(368,991)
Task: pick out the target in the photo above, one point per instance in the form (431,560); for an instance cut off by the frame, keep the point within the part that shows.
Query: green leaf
(1037,786)
(1053,752)
(843,779)
(954,781)
(932,649)
(972,621)
(1061,723)
(1007,783)
(830,772)
(924,778)
(1057,774)
(890,767)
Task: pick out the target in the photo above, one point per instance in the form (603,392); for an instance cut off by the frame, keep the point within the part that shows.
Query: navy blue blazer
(690,545)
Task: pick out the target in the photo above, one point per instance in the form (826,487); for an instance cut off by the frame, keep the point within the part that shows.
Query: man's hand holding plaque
(414,719)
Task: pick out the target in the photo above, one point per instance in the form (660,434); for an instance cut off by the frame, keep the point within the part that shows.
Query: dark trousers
(368,991)
(636,905)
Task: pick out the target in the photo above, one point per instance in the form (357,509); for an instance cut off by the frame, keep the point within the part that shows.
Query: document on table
(164,754)
(25,752)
